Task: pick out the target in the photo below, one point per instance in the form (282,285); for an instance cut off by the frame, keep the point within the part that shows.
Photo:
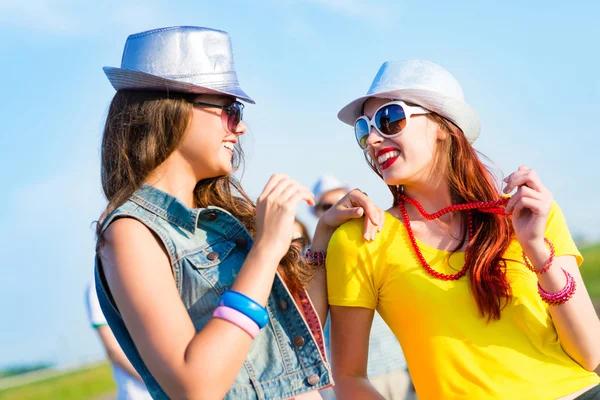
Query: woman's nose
(374,138)
(241,128)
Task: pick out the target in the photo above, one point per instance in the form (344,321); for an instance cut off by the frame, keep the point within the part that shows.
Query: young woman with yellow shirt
(482,290)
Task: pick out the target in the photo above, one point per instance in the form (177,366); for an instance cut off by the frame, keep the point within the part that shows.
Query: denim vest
(206,248)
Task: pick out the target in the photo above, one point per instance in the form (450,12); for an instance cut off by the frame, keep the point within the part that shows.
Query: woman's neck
(441,233)
(175,178)
(432,197)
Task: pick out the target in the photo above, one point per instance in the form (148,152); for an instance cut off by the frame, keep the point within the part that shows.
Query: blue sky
(529,68)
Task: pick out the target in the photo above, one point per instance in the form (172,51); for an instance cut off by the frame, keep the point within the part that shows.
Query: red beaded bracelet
(556,299)
(315,258)
(548,263)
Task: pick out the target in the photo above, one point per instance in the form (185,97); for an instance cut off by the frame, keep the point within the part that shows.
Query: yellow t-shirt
(451,350)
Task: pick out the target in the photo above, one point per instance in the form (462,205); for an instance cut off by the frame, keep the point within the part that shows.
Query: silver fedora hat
(422,83)
(184,59)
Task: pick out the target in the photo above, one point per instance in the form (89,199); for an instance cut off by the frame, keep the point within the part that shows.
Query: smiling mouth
(386,157)
(228,145)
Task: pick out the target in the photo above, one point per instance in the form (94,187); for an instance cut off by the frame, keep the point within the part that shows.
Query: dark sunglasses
(324,206)
(389,121)
(235,113)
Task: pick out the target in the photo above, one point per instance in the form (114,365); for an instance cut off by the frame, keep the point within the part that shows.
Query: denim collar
(167,207)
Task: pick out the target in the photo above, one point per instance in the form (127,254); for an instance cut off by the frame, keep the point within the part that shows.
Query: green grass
(23,369)
(591,270)
(77,385)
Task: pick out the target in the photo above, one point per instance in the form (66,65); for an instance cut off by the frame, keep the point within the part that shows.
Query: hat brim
(456,111)
(124,79)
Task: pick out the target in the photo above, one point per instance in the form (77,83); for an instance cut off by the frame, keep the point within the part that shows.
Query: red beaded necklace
(494,207)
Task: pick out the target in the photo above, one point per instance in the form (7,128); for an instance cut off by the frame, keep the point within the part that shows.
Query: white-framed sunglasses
(390,120)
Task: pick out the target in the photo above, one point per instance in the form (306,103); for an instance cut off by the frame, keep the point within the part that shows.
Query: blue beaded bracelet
(246,306)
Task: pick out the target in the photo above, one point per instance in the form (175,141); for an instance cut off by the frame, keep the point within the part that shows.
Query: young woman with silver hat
(482,289)
(200,286)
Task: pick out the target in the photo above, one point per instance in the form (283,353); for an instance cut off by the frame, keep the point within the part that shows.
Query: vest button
(283,304)
(313,379)
(209,216)
(299,341)
(240,242)
(212,256)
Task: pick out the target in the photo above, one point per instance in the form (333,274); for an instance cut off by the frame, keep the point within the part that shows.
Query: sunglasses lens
(326,207)
(322,208)
(234,116)
(391,120)
(361,130)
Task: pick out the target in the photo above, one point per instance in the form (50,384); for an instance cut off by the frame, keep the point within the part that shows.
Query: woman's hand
(276,212)
(529,206)
(354,204)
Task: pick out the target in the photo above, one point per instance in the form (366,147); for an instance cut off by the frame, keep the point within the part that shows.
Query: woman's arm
(187,364)
(350,329)
(576,321)
(354,204)
(317,289)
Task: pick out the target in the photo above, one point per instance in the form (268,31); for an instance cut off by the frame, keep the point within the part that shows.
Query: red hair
(471,181)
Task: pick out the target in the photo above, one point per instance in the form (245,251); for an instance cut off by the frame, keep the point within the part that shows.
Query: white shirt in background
(128,387)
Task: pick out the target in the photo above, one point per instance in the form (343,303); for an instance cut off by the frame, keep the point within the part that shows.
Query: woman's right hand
(354,204)
(276,212)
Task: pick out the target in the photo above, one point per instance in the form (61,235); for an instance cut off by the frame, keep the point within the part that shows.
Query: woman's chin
(223,172)
(227,169)
(393,179)
(217,172)
(226,165)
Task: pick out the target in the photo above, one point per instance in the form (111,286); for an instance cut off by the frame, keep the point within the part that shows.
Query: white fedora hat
(186,59)
(422,83)
(325,184)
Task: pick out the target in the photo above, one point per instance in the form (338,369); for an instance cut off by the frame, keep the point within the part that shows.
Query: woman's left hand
(529,206)
(355,204)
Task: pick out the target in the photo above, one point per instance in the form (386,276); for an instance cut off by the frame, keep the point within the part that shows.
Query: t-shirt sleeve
(558,233)
(95,315)
(350,280)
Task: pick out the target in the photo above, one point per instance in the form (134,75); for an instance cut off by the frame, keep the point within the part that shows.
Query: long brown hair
(142,129)
(471,181)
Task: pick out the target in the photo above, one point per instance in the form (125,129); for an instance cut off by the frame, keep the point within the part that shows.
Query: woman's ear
(441,133)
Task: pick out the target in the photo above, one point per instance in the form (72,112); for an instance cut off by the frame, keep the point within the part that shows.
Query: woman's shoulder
(347,236)
(351,233)
(131,228)
(130,232)
(352,227)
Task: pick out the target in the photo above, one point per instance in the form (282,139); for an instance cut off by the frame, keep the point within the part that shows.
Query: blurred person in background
(387,366)
(129,383)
